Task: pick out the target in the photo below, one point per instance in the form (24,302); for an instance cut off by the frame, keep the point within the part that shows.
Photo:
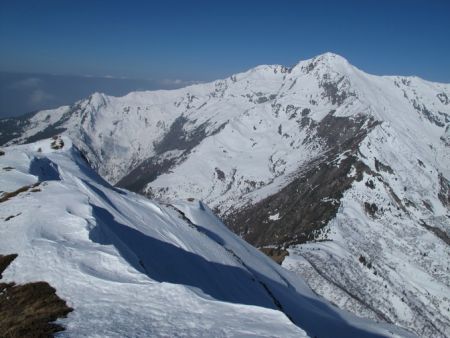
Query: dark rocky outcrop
(379,166)
(371,208)
(443,98)
(13,127)
(438,232)
(444,191)
(333,92)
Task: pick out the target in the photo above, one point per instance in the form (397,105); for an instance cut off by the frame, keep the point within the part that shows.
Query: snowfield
(347,171)
(132,267)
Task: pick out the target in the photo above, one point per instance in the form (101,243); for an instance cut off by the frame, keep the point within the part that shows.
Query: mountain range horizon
(340,176)
(25,93)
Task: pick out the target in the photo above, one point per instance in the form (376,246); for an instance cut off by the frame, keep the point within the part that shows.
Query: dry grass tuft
(29,310)
(8,195)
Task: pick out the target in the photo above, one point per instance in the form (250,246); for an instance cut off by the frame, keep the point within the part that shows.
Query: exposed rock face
(320,159)
(444,191)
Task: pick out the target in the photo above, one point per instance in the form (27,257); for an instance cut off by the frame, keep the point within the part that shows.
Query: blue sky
(173,42)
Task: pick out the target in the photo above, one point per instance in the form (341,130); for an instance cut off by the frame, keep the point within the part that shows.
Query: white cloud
(31,82)
(178,82)
(39,96)
(107,76)
(32,88)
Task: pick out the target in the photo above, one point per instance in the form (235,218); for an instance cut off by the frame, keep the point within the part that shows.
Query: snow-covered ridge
(119,133)
(128,265)
(353,165)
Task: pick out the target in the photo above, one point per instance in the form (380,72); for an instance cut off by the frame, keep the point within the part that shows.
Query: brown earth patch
(277,254)
(8,195)
(29,310)
(312,198)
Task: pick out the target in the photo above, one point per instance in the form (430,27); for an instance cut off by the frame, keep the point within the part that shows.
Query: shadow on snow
(165,262)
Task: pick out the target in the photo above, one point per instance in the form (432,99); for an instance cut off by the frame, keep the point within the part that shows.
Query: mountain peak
(330,57)
(326,61)
(330,60)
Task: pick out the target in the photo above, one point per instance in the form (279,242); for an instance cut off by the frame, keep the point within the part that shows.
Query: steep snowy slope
(130,266)
(348,171)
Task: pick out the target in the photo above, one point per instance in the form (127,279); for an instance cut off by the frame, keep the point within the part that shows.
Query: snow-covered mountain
(348,172)
(129,266)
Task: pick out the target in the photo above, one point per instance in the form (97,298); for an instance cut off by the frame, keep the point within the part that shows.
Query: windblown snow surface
(380,244)
(132,267)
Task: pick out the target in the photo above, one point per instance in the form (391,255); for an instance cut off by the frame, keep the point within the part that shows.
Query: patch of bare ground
(8,195)
(312,198)
(277,254)
(29,310)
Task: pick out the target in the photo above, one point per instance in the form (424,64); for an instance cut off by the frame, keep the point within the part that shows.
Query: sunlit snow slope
(132,267)
(347,171)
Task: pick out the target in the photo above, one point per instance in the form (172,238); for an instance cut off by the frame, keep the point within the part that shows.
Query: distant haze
(22,93)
